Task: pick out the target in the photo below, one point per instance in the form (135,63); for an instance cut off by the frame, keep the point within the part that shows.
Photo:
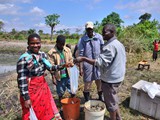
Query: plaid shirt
(30,65)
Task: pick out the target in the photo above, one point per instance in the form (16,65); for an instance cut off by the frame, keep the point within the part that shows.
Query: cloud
(4,21)
(96,1)
(72,29)
(17,19)
(93,4)
(37,11)
(141,6)
(19,25)
(128,17)
(47,29)
(8,9)
(91,1)
(6,1)
(40,25)
(14,1)
(14,23)
(26,1)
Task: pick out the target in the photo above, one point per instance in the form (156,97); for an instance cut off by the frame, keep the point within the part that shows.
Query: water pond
(8,63)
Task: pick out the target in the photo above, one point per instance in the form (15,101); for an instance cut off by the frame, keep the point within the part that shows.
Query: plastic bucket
(71,108)
(91,114)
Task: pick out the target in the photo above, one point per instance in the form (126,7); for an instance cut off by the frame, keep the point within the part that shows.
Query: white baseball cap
(89,24)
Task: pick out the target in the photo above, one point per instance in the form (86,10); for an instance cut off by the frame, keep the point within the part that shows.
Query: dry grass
(10,108)
(9,102)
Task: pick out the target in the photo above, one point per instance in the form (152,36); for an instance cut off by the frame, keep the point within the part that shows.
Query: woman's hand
(54,80)
(68,65)
(58,116)
(27,103)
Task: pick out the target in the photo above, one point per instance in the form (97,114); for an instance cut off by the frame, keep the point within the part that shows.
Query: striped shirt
(62,61)
(90,48)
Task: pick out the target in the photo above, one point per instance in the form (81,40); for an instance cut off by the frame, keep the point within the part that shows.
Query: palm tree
(52,21)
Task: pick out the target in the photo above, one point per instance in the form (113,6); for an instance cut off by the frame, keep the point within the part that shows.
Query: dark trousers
(155,55)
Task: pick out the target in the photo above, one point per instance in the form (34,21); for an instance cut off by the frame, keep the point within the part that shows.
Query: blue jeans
(62,85)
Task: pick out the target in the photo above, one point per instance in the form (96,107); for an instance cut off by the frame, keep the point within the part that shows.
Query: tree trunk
(52,33)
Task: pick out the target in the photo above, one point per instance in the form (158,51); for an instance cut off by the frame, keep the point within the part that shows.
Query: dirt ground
(9,94)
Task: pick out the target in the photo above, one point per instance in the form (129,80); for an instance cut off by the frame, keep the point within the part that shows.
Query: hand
(77,64)
(78,59)
(27,103)
(57,116)
(45,74)
(81,72)
(75,61)
(54,80)
(69,64)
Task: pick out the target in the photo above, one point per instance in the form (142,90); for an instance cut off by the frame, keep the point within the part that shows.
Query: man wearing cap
(90,45)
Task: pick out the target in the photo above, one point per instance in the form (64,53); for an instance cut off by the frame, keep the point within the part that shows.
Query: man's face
(60,45)
(34,44)
(107,33)
(89,32)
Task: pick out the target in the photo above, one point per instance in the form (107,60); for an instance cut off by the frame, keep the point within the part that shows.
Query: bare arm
(88,60)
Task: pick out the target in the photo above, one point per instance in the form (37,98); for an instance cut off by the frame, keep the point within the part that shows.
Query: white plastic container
(142,102)
(94,115)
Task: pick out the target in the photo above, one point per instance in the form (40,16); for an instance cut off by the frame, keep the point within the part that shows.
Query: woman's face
(34,44)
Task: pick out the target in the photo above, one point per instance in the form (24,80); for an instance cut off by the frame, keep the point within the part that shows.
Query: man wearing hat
(90,45)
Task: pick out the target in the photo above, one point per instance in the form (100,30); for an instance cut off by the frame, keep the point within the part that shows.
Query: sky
(30,14)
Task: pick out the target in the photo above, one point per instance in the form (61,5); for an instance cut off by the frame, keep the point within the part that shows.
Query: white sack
(74,75)
(32,114)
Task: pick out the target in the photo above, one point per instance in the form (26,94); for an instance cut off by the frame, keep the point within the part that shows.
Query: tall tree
(60,32)
(13,31)
(144,17)
(113,18)
(66,31)
(98,27)
(78,30)
(52,21)
(31,31)
(1,25)
(40,32)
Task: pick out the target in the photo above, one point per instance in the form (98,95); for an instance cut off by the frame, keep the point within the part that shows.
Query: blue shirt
(90,48)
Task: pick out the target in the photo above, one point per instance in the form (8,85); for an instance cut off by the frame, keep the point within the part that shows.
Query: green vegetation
(72,41)
(137,38)
(113,18)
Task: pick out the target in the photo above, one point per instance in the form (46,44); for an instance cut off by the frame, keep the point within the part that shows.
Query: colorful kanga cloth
(41,99)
